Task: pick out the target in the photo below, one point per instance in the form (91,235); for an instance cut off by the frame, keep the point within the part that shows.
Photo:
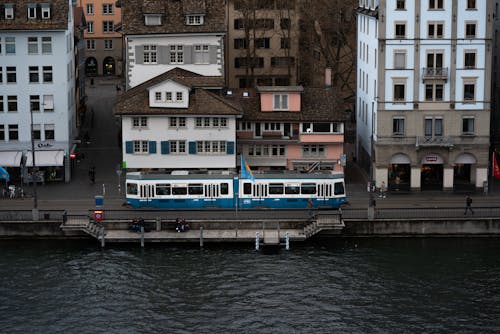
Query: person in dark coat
(468,205)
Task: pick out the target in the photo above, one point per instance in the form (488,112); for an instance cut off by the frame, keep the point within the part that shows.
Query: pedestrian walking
(310,207)
(468,205)
(383,189)
(92,174)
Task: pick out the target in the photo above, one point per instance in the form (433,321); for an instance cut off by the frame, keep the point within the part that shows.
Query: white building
(424,87)
(177,120)
(161,35)
(37,86)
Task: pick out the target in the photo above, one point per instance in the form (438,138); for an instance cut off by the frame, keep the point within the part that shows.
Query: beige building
(262,43)
(103,45)
(424,93)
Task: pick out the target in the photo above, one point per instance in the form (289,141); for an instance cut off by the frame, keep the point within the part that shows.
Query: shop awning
(10,158)
(45,158)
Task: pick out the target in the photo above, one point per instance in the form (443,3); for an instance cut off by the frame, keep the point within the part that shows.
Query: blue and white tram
(286,190)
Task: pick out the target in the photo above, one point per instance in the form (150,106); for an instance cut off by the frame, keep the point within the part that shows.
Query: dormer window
(152,19)
(194,20)
(45,10)
(31,11)
(9,11)
(280,102)
(178,96)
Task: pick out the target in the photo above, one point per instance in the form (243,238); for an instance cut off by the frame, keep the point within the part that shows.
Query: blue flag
(246,172)
(4,174)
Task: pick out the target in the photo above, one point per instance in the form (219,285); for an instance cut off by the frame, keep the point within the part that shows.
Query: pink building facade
(291,128)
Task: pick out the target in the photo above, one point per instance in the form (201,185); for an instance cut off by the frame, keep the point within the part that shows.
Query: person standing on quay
(468,205)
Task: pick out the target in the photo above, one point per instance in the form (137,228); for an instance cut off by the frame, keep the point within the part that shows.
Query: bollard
(287,241)
(201,236)
(142,236)
(102,237)
(158,224)
(257,242)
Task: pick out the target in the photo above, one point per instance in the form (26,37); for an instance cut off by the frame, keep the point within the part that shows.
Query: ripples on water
(334,286)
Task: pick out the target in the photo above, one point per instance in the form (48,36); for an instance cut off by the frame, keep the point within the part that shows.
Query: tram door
(324,192)
(211,193)
(259,193)
(146,192)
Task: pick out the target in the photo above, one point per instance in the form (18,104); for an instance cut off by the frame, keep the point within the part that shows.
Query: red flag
(496,168)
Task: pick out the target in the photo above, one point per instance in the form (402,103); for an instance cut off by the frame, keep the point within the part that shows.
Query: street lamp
(33,177)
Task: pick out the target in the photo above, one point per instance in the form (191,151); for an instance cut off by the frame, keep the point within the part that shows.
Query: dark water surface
(334,286)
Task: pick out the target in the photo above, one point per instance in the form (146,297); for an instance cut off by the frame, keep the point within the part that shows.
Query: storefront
(11,162)
(464,172)
(50,165)
(399,178)
(431,172)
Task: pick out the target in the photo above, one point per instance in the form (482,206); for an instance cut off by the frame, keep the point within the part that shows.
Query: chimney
(328,77)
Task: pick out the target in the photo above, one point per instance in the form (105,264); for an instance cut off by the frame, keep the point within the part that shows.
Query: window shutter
(230,147)
(213,54)
(152,147)
(192,147)
(139,54)
(188,54)
(165,147)
(163,54)
(129,147)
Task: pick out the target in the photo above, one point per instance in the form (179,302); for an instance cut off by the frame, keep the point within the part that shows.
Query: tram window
(224,188)
(195,189)
(292,189)
(163,189)
(339,188)
(176,190)
(308,188)
(132,188)
(275,188)
(247,188)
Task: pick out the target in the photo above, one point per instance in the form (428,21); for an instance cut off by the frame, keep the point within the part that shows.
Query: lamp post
(33,177)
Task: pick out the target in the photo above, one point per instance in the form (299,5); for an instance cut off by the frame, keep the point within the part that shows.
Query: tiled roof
(58,16)
(173,16)
(317,104)
(201,100)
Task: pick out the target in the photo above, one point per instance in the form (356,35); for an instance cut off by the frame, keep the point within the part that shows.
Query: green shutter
(129,147)
(165,147)
(152,147)
(230,147)
(192,147)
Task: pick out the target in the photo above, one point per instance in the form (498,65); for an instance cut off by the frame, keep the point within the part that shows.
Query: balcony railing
(430,141)
(435,73)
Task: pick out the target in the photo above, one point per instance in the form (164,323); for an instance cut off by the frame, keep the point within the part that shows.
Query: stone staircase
(84,224)
(322,223)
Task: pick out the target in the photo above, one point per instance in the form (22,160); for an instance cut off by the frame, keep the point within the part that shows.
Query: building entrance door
(431,176)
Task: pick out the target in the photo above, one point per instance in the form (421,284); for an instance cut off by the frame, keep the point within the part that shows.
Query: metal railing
(421,213)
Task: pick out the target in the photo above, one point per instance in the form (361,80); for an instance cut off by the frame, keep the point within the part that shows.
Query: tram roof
(213,175)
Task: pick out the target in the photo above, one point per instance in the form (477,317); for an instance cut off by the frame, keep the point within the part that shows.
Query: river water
(331,286)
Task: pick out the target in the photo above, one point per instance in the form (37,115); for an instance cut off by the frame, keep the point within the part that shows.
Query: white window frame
(45,11)
(107,9)
(108,44)
(35,101)
(177,147)
(211,147)
(168,97)
(150,55)
(139,122)
(31,11)
(177,122)
(436,4)
(435,25)
(90,44)
(400,23)
(32,71)
(90,27)
(468,120)
(201,54)
(48,103)
(108,27)
(9,12)
(399,54)
(281,102)
(152,19)
(32,45)
(467,24)
(313,150)
(398,126)
(140,147)
(46,45)
(194,20)
(158,96)
(10,45)
(179,96)
(90,9)
(176,54)
(49,128)
(12,99)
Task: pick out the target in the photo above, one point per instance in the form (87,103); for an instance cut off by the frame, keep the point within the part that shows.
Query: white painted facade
(209,64)
(404,123)
(61,91)
(186,130)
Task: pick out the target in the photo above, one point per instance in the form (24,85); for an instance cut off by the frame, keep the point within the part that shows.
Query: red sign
(496,167)
(98,215)
(431,158)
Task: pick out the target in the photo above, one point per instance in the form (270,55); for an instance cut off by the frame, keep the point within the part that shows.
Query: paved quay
(104,152)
